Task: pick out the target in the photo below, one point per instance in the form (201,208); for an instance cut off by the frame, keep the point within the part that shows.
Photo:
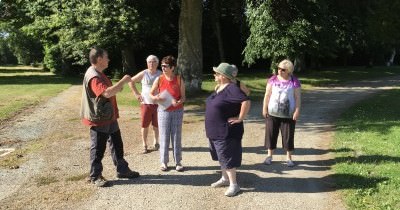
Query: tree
(26,48)
(190,54)
(68,29)
(287,29)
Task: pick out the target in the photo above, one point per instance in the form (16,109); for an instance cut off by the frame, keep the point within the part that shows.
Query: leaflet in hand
(167,102)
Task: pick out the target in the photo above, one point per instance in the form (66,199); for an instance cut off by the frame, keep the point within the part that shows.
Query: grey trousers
(170,128)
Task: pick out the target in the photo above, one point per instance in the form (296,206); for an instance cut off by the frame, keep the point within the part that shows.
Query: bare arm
(297,98)
(154,91)
(245,89)
(183,94)
(268,91)
(113,90)
(135,79)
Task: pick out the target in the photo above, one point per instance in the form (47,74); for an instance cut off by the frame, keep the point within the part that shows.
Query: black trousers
(272,127)
(99,136)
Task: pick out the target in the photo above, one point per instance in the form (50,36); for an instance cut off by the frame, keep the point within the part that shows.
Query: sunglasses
(164,66)
(283,70)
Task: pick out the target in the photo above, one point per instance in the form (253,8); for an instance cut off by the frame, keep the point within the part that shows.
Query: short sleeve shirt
(282,102)
(98,87)
(219,108)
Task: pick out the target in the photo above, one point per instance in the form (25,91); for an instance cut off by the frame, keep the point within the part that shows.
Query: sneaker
(268,160)
(290,163)
(220,183)
(129,174)
(179,167)
(99,182)
(232,190)
(163,167)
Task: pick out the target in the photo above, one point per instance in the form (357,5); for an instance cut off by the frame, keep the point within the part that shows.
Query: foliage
(322,30)
(368,149)
(26,48)
(287,29)
(6,55)
(68,29)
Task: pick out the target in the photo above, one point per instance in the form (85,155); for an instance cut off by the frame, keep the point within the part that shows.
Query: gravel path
(64,155)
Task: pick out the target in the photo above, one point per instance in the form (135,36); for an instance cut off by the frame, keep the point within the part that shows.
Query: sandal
(145,150)
(156,146)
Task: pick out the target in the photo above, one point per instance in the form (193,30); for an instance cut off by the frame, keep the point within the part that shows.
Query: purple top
(221,106)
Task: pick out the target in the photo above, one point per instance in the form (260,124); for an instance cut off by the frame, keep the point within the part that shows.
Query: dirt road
(54,171)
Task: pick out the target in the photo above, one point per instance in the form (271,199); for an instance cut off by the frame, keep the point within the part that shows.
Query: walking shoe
(179,167)
(129,174)
(268,160)
(232,190)
(163,167)
(220,183)
(290,163)
(99,182)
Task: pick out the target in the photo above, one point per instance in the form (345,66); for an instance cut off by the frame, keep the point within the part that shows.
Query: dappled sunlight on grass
(370,133)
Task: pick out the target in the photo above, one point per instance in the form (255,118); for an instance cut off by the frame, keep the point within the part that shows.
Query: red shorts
(148,113)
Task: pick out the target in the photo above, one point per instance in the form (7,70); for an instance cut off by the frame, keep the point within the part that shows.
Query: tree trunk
(190,53)
(299,65)
(128,60)
(392,56)
(216,11)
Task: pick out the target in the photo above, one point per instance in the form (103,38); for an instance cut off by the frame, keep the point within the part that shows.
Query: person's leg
(117,154)
(223,181)
(164,126)
(176,135)
(287,131)
(271,137)
(224,174)
(145,112)
(233,186)
(154,122)
(156,138)
(98,142)
(232,176)
(145,132)
(117,149)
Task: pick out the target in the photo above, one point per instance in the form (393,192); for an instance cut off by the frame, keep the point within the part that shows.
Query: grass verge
(368,153)
(24,87)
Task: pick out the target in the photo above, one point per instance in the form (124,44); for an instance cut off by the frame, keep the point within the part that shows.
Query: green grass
(23,87)
(367,143)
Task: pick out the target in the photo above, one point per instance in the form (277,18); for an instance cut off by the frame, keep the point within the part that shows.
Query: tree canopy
(312,33)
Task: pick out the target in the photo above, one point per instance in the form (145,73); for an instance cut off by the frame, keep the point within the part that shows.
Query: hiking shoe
(268,160)
(99,182)
(129,174)
(220,183)
(163,167)
(179,167)
(290,163)
(232,190)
